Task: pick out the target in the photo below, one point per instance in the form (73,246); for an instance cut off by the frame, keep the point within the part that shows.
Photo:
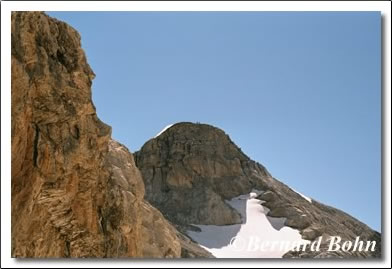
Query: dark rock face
(190,169)
(75,192)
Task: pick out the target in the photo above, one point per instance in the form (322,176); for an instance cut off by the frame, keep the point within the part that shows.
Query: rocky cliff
(191,169)
(75,191)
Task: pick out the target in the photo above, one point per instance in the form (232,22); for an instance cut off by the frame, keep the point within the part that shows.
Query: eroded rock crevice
(36,140)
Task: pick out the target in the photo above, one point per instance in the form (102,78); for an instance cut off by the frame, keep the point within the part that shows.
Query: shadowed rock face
(190,169)
(75,192)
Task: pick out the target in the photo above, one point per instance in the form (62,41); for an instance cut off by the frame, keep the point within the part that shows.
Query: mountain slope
(190,170)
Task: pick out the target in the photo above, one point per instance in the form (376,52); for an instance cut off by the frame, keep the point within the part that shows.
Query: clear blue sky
(299,92)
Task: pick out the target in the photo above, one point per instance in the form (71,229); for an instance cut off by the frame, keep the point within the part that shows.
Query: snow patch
(256,224)
(163,130)
(303,196)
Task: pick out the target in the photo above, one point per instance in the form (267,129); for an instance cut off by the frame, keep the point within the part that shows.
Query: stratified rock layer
(191,169)
(75,192)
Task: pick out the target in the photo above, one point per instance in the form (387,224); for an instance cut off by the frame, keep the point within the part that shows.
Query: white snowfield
(259,236)
(163,130)
(303,196)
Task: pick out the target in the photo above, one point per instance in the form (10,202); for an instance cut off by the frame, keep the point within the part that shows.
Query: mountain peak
(199,160)
(191,130)
(192,171)
(204,138)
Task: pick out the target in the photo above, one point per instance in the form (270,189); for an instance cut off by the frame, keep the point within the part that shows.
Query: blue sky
(299,92)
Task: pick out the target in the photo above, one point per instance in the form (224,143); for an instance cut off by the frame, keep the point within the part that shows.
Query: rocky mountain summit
(76,192)
(190,170)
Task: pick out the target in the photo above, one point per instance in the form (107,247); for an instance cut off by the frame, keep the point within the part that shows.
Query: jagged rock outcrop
(75,192)
(191,169)
(156,237)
